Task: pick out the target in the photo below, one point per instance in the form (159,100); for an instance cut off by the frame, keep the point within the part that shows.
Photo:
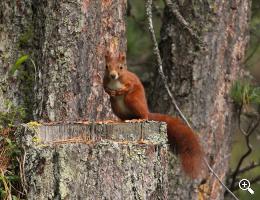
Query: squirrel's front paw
(110,92)
(122,91)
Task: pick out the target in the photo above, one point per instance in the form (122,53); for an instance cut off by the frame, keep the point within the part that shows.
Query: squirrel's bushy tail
(182,138)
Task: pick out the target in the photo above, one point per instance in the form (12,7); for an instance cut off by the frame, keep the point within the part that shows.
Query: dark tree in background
(201,61)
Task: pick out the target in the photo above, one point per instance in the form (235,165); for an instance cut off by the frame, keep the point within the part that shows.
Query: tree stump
(94,160)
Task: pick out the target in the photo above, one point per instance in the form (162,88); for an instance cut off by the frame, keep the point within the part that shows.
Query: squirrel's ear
(121,57)
(107,55)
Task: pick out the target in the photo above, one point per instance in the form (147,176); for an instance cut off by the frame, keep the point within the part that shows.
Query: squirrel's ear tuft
(121,57)
(107,55)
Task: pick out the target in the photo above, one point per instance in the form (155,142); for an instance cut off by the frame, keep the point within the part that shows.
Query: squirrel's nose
(113,75)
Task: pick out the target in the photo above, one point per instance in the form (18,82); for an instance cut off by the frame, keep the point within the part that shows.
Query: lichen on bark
(116,167)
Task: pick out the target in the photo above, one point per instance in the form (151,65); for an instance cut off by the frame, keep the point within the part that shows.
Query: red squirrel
(128,101)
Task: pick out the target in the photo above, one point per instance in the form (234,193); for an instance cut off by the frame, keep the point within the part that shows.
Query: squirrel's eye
(121,67)
(106,67)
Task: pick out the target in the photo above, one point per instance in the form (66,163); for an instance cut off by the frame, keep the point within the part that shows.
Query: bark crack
(56,173)
(136,196)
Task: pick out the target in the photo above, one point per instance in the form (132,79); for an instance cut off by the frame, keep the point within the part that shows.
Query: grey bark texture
(95,160)
(75,36)
(200,76)
(16,41)
(66,40)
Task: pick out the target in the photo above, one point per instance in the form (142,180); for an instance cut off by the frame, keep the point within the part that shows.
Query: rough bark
(200,77)
(95,161)
(16,41)
(67,41)
(71,62)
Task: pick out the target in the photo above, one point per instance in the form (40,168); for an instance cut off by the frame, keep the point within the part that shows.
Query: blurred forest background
(141,60)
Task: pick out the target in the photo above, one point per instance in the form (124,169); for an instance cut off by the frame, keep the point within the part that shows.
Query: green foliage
(26,75)
(9,177)
(252,60)
(9,167)
(139,44)
(12,149)
(244,93)
(10,183)
(11,115)
(18,64)
(26,37)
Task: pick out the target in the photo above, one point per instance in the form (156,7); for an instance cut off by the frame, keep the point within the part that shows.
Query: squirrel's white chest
(121,106)
(119,100)
(115,85)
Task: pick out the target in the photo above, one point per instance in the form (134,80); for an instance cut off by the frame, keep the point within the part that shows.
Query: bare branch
(252,181)
(255,180)
(239,120)
(253,51)
(255,48)
(174,9)
(249,167)
(247,135)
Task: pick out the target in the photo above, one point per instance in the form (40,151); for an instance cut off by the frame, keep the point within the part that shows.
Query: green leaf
(2,193)
(14,197)
(18,63)
(9,141)
(244,93)
(13,178)
(256,95)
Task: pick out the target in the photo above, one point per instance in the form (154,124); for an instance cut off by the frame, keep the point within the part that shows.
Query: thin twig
(22,173)
(253,52)
(253,181)
(6,187)
(249,147)
(239,121)
(213,172)
(255,48)
(159,60)
(241,171)
(249,167)
(183,22)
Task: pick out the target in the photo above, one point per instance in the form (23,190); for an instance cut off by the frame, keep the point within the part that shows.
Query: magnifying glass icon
(244,184)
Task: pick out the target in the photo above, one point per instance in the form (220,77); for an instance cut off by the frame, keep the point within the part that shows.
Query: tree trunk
(71,56)
(66,40)
(97,161)
(200,76)
(15,41)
